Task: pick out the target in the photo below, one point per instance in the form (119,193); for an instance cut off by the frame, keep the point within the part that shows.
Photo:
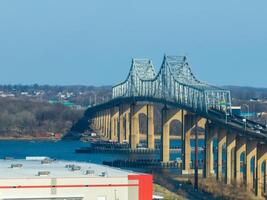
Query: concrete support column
(221,142)
(114,123)
(124,110)
(240,148)
(134,126)
(101,122)
(97,121)
(127,126)
(165,136)
(209,136)
(93,122)
(104,123)
(251,151)
(261,158)
(150,127)
(107,124)
(230,156)
(188,125)
(167,116)
(135,110)
(121,124)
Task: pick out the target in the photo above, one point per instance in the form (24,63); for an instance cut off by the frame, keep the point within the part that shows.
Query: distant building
(58,136)
(254,99)
(236,110)
(43,178)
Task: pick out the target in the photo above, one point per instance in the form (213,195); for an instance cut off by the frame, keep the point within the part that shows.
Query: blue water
(61,150)
(65,150)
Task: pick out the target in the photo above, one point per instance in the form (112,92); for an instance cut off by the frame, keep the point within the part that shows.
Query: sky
(92,42)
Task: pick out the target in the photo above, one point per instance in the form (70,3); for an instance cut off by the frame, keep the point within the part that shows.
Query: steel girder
(174,82)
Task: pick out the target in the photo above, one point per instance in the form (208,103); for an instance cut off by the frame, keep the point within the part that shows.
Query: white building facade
(47,180)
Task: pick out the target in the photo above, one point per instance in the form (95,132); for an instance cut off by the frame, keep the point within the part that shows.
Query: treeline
(27,117)
(247,93)
(78,94)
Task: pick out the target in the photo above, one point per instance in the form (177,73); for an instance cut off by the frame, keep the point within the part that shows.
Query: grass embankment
(167,194)
(209,189)
(222,191)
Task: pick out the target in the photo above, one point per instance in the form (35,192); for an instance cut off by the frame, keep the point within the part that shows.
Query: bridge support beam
(221,142)
(135,110)
(114,123)
(101,122)
(108,125)
(102,126)
(167,116)
(188,125)
(97,121)
(260,174)
(251,152)
(123,111)
(230,157)
(105,123)
(165,137)
(150,127)
(240,148)
(210,133)
(127,126)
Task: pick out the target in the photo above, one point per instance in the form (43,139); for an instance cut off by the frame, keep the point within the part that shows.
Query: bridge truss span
(175,83)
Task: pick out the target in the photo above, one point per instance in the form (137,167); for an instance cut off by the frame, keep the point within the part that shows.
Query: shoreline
(27,138)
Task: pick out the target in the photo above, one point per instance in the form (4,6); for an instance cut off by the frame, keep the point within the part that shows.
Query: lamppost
(247,106)
(246,115)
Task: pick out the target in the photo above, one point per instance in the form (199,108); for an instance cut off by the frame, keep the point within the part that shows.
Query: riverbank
(25,138)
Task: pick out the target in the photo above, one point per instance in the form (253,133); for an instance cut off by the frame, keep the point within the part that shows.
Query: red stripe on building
(66,186)
(145,191)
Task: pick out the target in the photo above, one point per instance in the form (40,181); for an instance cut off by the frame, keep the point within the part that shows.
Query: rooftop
(34,168)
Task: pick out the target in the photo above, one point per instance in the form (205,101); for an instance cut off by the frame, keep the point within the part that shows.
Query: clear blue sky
(90,42)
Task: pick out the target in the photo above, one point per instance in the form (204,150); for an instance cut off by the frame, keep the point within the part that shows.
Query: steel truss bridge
(174,83)
(194,103)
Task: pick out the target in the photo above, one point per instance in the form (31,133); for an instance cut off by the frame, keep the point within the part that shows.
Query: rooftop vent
(13,166)
(8,158)
(104,174)
(73,167)
(46,161)
(43,173)
(89,172)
